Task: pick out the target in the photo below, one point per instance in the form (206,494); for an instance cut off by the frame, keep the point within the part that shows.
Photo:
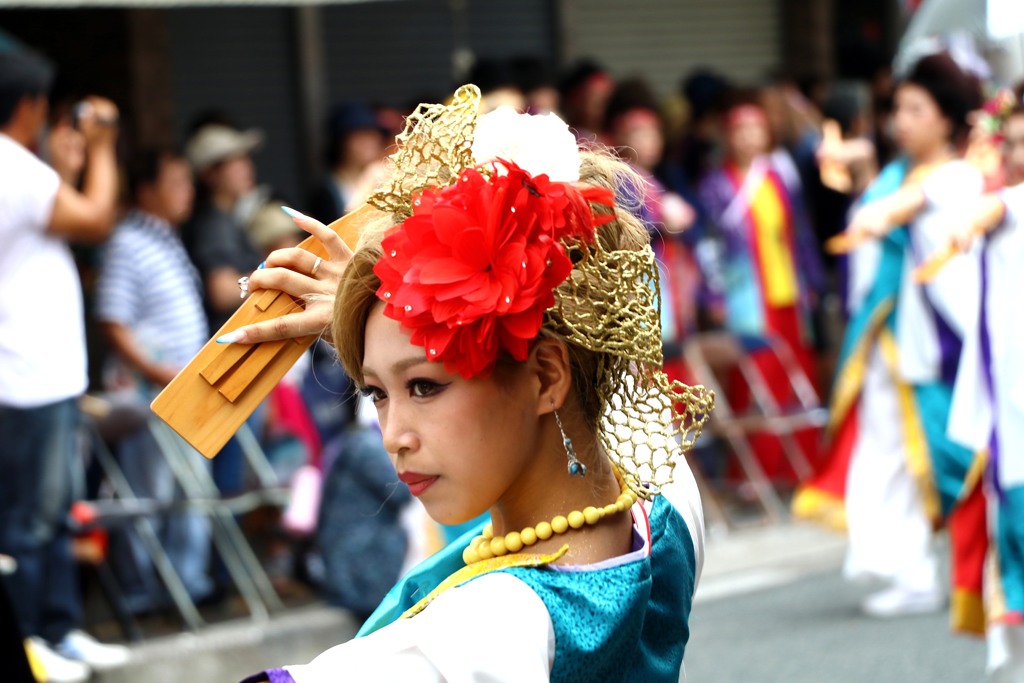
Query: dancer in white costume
(901,349)
(987,410)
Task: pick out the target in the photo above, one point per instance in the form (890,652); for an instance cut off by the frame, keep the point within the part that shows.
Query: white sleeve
(1005,253)
(955,291)
(452,640)
(949,185)
(1013,199)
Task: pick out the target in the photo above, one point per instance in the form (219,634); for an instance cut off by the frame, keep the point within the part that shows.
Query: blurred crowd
(743,186)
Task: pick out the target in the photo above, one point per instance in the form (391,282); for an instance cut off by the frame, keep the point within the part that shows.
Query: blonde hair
(357,289)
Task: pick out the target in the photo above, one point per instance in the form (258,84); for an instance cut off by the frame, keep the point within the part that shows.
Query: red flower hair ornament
(472,271)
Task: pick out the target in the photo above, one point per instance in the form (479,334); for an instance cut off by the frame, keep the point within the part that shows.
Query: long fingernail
(262,266)
(231,337)
(294,214)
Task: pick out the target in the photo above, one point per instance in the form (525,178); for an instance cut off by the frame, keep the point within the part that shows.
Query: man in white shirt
(43,357)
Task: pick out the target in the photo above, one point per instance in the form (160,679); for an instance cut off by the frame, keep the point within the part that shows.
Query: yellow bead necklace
(486,546)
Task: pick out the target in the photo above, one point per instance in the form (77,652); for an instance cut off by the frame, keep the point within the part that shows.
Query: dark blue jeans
(37,465)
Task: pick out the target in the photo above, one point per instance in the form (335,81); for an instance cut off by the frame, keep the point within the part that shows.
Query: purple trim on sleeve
(272,675)
(985,342)
(950,347)
(950,344)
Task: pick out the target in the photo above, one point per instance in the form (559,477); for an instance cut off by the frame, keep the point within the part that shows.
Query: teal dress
(623,619)
(632,609)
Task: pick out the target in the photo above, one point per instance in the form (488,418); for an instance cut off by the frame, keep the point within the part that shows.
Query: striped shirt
(148,284)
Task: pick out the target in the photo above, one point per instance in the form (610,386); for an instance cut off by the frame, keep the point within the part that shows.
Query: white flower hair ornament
(540,144)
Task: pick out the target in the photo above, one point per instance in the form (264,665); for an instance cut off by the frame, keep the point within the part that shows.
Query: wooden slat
(230,355)
(238,381)
(197,410)
(266,298)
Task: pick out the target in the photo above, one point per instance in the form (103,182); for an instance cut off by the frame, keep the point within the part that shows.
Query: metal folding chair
(201,493)
(106,423)
(710,356)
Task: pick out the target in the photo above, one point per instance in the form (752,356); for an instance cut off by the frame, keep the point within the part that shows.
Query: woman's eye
(422,388)
(373,393)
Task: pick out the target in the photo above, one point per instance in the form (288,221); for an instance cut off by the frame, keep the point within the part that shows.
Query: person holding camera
(43,357)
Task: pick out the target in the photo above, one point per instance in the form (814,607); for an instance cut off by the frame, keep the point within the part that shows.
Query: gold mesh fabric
(609,304)
(649,422)
(436,145)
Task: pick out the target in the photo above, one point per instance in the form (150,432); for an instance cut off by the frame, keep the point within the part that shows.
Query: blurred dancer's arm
(876,219)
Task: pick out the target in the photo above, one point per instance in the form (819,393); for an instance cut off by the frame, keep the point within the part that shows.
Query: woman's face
(363,147)
(747,137)
(641,137)
(920,127)
(459,444)
(1013,149)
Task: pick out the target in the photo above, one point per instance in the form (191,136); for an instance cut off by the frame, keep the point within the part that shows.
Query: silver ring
(316,265)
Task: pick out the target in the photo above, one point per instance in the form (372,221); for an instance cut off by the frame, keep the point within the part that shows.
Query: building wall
(244,62)
(663,40)
(402,50)
(240,61)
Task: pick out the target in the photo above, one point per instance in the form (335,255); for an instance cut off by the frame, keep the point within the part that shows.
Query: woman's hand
(869,221)
(303,275)
(676,213)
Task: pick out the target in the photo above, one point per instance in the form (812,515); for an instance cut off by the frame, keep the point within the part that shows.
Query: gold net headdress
(436,145)
(609,304)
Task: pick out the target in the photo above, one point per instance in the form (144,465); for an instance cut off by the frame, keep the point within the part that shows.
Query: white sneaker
(53,667)
(899,601)
(82,647)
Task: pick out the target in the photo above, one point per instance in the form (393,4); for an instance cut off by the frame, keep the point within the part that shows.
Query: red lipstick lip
(417,483)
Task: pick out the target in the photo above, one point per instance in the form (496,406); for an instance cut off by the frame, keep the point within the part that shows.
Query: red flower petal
(471,273)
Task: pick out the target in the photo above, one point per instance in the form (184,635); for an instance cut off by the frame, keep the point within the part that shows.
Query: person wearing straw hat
(219,246)
(221,159)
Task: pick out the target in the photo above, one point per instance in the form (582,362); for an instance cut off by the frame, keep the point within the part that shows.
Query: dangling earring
(576,468)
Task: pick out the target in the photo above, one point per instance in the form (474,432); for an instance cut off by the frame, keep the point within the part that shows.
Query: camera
(83,109)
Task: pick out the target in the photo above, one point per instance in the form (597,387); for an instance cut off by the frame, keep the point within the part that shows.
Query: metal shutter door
(664,39)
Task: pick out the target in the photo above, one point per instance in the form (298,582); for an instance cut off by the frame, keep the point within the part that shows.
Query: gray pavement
(228,652)
(811,631)
(772,608)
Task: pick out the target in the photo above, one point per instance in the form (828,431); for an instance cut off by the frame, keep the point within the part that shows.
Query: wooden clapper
(220,388)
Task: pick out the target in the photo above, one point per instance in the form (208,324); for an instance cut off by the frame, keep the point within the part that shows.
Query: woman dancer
(987,410)
(891,460)
(770,268)
(502,317)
